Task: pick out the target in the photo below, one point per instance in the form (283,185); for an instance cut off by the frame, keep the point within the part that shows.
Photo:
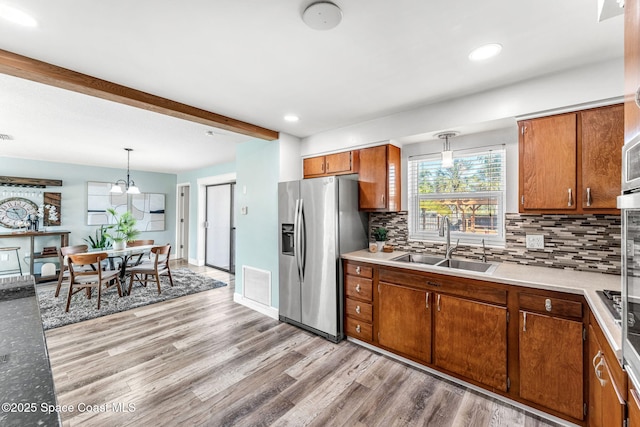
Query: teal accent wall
(257,168)
(191,178)
(74,194)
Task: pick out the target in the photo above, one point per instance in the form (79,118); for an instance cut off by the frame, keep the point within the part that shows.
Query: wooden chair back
(77,261)
(65,251)
(161,255)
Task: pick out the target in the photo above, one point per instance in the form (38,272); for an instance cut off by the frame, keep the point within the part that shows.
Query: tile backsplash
(574,242)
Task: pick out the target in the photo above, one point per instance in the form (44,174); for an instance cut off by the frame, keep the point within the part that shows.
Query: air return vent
(256,285)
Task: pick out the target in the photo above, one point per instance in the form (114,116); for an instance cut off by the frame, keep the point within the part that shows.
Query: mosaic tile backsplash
(574,242)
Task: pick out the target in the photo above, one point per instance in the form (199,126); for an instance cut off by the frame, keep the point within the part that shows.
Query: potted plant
(380,236)
(101,240)
(123,230)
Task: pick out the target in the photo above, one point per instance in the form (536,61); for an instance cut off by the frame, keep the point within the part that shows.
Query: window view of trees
(470,193)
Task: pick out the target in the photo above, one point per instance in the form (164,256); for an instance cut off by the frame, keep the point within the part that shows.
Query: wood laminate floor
(205,360)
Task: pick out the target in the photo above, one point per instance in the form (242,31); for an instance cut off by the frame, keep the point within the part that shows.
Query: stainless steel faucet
(449,248)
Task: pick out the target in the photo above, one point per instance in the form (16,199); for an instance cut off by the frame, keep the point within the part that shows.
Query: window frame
(414,199)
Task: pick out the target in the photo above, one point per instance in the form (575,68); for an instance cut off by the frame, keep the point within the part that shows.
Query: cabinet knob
(570,203)
(547,304)
(588,196)
(358,309)
(358,288)
(358,328)
(358,270)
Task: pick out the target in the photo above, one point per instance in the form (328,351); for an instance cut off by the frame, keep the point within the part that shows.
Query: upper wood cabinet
(331,164)
(571,162)
(379,179)
(631,69)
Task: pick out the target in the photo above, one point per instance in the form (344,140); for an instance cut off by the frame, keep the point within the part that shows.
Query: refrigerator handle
(303,241)
(296,238)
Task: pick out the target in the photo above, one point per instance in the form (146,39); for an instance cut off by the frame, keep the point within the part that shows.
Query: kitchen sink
(457,264)
(419,258)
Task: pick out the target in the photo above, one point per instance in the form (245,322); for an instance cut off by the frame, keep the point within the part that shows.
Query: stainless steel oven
(629,203)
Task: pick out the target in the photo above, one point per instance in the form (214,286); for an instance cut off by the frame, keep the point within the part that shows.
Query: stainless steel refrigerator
(318,221)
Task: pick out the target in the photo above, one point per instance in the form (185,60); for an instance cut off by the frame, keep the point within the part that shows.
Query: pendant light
(129,184)
(447,154)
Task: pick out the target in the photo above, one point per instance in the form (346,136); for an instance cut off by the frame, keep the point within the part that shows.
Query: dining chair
(85,273)
(135,260)
(63,253)
(153,269)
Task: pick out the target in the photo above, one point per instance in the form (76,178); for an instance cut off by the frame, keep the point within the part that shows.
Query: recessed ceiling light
(17,16)
(291,118)
(485,52)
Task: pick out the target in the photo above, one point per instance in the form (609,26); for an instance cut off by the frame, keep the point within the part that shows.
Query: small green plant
(101,240)
(124,229)
(380,234)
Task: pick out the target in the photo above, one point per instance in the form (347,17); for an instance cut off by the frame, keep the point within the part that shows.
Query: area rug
(185,282)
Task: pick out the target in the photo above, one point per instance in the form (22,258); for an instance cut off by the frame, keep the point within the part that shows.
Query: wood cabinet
(332,164)
(470,339)
(379,178)
(359,301)
(551,362)
(607,382)
(631,69)
(404,320)
(633,406)
(571,162)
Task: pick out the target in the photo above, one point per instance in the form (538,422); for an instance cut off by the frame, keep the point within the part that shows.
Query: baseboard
(196,262)
(267,311)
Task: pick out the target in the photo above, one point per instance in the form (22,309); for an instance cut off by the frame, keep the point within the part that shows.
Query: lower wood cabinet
(522,343)
(470,339)
(551,363)
(404,320)
(633,407)
(607,382)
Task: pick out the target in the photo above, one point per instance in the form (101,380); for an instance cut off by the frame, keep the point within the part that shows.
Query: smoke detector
(322,15)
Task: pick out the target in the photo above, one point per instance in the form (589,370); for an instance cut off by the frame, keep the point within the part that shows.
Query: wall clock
(14,211)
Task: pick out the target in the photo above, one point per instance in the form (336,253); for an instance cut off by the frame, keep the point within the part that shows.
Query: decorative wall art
(147,208)
(51,208)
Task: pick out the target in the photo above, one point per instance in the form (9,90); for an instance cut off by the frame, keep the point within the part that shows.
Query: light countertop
(552,279)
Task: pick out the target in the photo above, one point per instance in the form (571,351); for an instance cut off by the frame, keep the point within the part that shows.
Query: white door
(219,227)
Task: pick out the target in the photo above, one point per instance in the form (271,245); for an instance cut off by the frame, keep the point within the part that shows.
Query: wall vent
(256,285)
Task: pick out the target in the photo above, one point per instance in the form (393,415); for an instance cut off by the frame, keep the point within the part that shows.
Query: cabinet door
(404,320)
(372,180)
(631,68)
(595,390)
(602,140)
(633,408)
(551,365)
(338,163)
(470,339)
(548,163)
(313,166)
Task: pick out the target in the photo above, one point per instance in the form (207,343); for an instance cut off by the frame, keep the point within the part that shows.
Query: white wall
(290,161)
(583,85)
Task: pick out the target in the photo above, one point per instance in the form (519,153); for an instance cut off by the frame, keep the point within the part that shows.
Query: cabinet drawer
(550,305)
(359,329)
(360,270)
(359,288)
(360,310)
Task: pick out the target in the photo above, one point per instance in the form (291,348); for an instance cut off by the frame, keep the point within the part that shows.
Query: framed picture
(52,213)
(99,199)
(148,210)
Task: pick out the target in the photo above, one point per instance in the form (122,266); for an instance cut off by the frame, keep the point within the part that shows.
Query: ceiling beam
(42,72)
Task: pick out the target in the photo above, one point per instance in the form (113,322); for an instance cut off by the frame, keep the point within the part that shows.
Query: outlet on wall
(535,241)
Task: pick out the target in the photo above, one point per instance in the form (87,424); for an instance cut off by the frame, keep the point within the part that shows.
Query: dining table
(124,255)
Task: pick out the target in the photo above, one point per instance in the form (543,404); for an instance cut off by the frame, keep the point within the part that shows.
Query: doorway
(182,238)
(220,227)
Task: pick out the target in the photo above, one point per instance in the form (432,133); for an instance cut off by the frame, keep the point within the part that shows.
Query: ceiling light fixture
(447,154)
(322,15)
(485,52)
(17,16)
(129,185)
(291,118)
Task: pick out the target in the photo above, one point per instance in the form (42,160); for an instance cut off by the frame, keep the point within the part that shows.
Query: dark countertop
(26,381)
